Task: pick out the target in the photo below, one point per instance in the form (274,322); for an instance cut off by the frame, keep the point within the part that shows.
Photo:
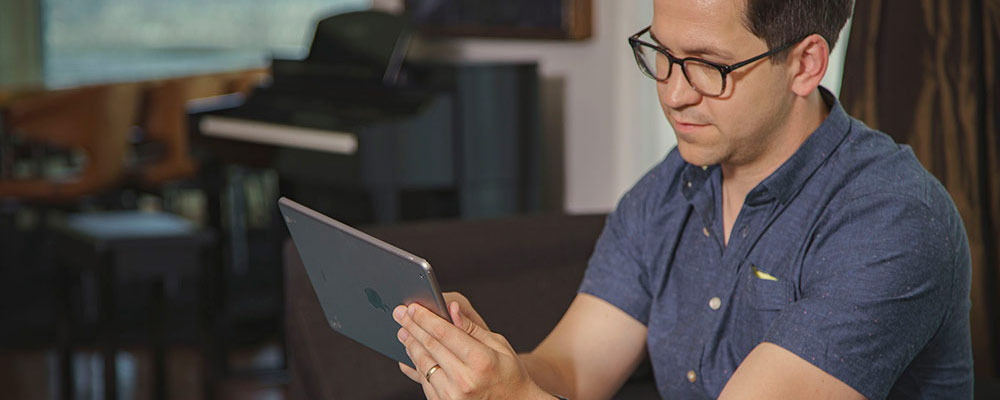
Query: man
(783,250)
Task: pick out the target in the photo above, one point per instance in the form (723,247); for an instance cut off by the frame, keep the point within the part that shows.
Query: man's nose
(677,92)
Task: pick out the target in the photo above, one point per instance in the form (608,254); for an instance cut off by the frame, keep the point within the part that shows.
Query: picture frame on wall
(524,19)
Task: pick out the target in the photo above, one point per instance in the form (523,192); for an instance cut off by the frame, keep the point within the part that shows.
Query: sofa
(521,273)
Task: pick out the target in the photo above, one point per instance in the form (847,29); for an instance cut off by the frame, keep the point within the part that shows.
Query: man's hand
(473,363)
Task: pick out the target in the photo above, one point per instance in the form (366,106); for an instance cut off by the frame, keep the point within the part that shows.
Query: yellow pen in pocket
(762,275)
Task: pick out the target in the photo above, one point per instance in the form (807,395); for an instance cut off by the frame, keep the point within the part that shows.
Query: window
(97,40)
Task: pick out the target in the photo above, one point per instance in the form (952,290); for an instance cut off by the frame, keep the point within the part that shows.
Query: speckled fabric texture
(851,255)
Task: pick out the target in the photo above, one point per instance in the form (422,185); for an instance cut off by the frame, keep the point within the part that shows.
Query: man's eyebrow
(703,50)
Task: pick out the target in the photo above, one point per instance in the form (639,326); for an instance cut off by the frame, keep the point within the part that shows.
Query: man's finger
(429,392)
(410,372)
(442,339)
(424,363)
(454,310)
(463,302)
(422,359)
(480,333)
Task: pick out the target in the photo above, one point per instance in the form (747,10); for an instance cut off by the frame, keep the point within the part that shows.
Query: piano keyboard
(279,135)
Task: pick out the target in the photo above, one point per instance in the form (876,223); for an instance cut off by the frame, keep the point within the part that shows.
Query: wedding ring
(433,369)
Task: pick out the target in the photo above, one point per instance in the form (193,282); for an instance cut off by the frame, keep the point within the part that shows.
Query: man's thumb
(466,324)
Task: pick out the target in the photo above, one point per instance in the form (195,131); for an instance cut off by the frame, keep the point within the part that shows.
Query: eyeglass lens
(703,77)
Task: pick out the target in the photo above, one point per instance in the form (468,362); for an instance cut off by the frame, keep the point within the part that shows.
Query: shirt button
(691,376)
(715,303)
(688,183)
(745,231)
(705,231)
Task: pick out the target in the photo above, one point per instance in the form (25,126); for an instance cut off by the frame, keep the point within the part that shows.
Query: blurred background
(144,144)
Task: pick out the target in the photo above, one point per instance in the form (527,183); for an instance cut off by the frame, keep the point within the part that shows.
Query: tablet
(359,279)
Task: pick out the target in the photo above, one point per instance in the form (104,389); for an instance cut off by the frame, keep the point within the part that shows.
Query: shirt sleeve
(876,285)
(615,272)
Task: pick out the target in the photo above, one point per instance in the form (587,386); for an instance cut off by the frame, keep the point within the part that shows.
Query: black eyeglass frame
(724,70)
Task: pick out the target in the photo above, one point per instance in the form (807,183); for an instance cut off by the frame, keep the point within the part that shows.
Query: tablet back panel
(359,279)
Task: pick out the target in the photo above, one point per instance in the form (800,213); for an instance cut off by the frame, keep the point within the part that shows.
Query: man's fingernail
(411,309)
(398,313)
(402,335)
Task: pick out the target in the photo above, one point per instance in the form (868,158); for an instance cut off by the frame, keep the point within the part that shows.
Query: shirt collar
(786,181)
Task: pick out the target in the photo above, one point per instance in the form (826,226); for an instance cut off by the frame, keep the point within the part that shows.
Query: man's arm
(590,353)
(593,349)
(771,372)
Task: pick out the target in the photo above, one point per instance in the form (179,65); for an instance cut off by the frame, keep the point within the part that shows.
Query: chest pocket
(766,292)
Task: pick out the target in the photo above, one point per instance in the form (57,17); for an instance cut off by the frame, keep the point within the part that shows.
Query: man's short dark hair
(781,21)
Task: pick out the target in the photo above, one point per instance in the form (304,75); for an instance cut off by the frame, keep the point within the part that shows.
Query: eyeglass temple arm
(772,52)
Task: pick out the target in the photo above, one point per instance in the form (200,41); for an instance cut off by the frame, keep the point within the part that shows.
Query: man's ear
(807,64)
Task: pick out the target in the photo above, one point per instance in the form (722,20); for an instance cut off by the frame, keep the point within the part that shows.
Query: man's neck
(806,115)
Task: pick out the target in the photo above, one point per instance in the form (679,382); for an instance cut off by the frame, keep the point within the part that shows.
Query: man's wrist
(542,394)
(550,396)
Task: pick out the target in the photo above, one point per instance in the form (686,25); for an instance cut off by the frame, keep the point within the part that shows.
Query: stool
(130,247)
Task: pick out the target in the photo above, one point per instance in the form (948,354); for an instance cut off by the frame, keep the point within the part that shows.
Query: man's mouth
(689,123)
(688,126)
(685,121)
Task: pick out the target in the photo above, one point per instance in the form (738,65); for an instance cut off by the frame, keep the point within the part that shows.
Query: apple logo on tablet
(375,300)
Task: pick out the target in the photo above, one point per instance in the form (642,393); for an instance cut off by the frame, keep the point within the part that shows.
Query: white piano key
(279,135)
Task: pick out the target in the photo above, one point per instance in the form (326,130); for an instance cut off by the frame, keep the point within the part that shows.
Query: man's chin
(697,155)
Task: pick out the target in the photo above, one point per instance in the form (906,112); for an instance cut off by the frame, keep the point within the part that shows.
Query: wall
(597,136)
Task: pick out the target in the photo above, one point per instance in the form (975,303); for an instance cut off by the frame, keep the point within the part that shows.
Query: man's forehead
(700,26)
(711,8)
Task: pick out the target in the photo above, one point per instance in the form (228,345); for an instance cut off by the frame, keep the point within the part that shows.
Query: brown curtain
(925,72)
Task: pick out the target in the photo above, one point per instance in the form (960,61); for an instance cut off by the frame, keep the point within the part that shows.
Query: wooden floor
(32,375)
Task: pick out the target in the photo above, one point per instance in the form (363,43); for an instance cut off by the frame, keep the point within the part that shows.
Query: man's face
(734,128)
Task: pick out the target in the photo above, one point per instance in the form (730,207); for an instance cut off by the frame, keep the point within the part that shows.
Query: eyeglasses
(706,77)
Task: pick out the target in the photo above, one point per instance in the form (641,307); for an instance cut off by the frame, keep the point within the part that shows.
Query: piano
(360,133)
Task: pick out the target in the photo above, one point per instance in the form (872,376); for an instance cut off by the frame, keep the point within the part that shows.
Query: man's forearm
(547,375)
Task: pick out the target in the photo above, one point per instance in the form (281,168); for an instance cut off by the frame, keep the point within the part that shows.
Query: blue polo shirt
(850,255)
